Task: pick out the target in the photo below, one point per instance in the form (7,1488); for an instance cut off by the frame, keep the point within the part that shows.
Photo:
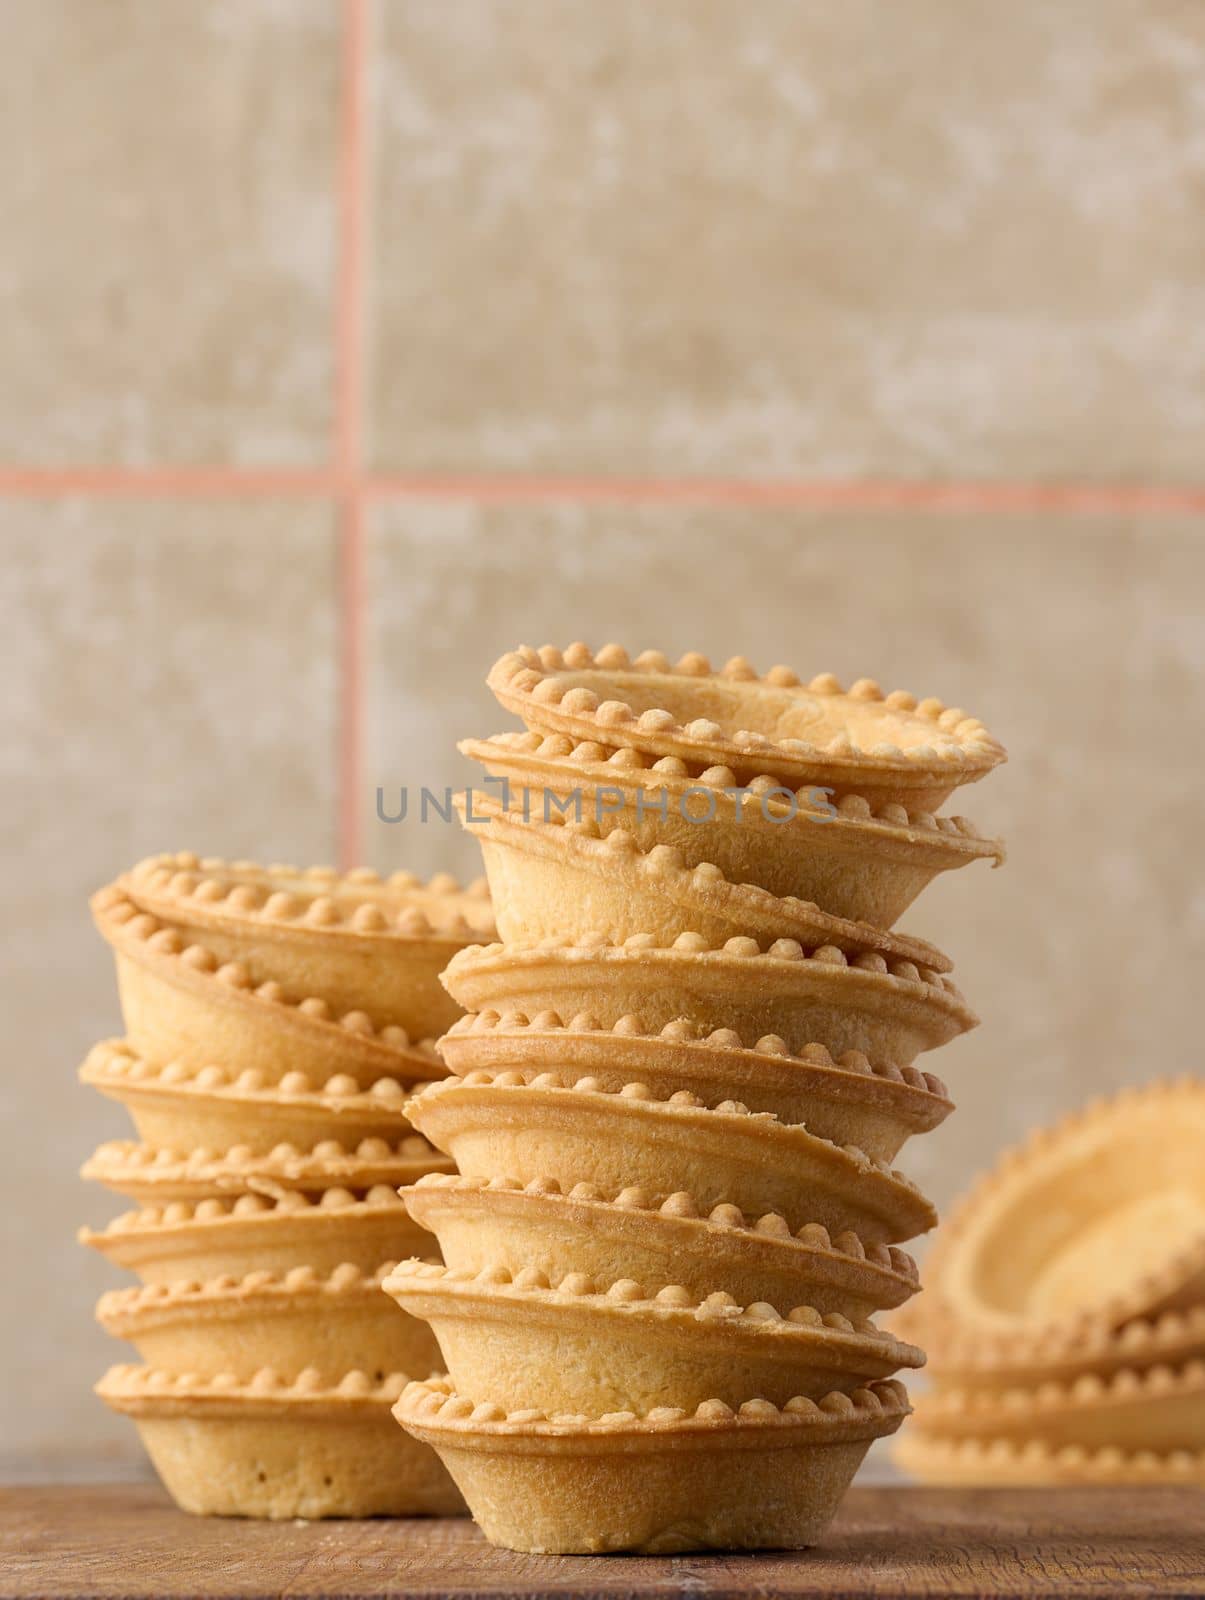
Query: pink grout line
(337,483)
(349,378)
(177,483)
(350,721)
(820,493)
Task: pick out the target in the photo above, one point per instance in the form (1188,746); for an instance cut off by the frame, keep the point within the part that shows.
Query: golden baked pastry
(656,1238)
(152,1176)
(712,1477)
(182,1003)
(993,1362)
(566,881)
(1089,1224)
(886,747)
(850,1101)
(1003,1463)
(246,1233)
(725,1154)
(290,1321)
(864,862)
(889,1010)
(362,943)
(1161,1409)
(270,1449)
(624,1346)
(173,1105)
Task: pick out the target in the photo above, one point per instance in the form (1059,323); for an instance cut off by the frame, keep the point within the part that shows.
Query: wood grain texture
(123,1542)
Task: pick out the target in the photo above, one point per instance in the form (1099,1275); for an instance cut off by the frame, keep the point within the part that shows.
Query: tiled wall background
(347,344)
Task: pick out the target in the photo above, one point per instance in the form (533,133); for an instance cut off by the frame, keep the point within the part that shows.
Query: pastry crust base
(282,1452)
(757,1478)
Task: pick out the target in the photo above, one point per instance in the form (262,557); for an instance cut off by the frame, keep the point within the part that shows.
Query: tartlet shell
(260,1233)
(1063,1188)
(656,1239)
(697,715)
(1161,1409)
(173,1105)
(181,1003)
(627,1348)
(361,943)
(754,991)
(1003,1464)
(507,1125)
(865,864)
(277,1451)
(756,1478)
(850,1101)
(565,880)
(290,1321)
(149,1176)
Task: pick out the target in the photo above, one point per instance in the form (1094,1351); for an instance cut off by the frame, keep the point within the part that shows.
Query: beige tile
(942,237)
(1080,643)
(167,183)
(169,675)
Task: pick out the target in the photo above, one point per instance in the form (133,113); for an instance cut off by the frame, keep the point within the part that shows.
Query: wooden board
(124,1541)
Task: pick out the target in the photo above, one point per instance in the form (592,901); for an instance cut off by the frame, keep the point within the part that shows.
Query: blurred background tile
(176,681)
(1085,653)
(167,186)
(790,237)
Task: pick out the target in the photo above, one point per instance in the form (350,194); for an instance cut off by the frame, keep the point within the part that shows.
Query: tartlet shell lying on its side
(260,1233)
(292,1322)
(1086,1226)
(865,863)
(182,1004)
(886,747)
(850,1100)
(576,1347)
(720,1155)
(175,1106)
(266,1449)
(717,1479)
(815,998)
(564,880)
(656,1239)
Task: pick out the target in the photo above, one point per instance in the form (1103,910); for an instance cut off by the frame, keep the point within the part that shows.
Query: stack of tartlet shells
(276,1021)
(1065,1313)
(675,1104)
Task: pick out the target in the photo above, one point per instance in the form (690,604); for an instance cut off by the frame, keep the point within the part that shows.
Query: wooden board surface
(128,1541)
